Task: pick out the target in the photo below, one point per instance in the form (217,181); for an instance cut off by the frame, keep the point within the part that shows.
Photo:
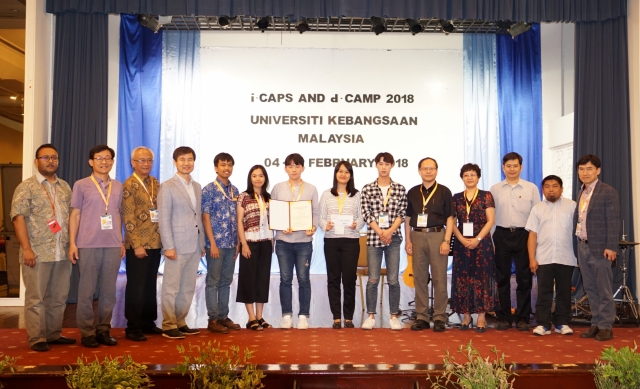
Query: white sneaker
(564,330)
(395,324)
(369,323)
(286,322)
(540,330)
(303,324)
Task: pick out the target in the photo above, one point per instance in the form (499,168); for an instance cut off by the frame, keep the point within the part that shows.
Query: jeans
(296,255)
(392,260)
(218,283)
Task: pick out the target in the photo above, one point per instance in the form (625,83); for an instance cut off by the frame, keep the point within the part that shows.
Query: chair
(363,270)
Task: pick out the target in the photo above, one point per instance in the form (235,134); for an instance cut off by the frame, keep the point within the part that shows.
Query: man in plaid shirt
(384,204)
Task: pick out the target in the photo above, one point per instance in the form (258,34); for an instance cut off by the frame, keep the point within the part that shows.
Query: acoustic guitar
(407,277)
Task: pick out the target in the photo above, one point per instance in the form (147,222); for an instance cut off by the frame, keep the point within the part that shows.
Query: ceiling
(12,36)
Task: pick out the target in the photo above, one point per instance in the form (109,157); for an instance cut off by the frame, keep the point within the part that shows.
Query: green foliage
(7,362)
(109,374)
(475,372)
(212,368)
(618,369)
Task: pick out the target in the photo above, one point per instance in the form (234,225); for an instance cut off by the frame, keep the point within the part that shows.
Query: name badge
(54,226)
(383,220)
(467,229)
(422,220)
(106,223)
(154,215)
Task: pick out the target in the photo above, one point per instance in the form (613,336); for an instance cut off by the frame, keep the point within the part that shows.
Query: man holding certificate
(294,214)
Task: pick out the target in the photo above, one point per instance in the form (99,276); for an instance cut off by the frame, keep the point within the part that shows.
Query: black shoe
(439,326)
(348,324)
(189,331)
(336,325)
(465,327)
(152,331)
(603,335)
(522,325)
(136,336)
(89,341)
(481,330)
(503,325)
(420,325)
(40,346)
(103,337)
(591,332)
(173,334)
(62,340)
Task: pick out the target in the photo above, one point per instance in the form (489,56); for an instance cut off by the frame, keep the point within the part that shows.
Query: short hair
(386,156)
(511,156)
(183,150)
(425,159)
(100,148)
(294,158)
(265,187)
(585,159)
(552,178)
(351,186)
(470,167)
(45,146)
(226,157)
(142,148)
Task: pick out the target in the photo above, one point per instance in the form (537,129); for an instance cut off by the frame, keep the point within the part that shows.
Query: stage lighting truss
(333,24)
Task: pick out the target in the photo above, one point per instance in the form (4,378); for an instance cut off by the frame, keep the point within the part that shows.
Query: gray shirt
(553,223)
(514,203)
(282,192)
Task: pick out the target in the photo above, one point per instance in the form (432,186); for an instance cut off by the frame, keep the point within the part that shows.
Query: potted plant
(7,362)
(618,369)
(109,374)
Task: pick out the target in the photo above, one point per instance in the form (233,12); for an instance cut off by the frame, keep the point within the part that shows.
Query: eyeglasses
(47,158)
(428,169)
(143,161)
(104,159)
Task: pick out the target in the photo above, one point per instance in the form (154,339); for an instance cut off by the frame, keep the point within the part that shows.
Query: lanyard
(386,199)
(341,200)
(261,204)
(105,199)
(222,190)
(52,201)
(585,201)
(293,193)
(145,187)
(470,203)
(425,202)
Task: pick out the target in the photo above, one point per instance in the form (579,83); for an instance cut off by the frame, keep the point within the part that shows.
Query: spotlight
(519,28)
(225,21)
(447,27)
(263,23)
(149,22)
(503,24)
(415,26)
(302,25)
(377,25)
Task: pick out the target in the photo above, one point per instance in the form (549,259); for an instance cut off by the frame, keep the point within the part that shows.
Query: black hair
(585,159)
(265,195)
(470,167)
(427,158)
(99,148)
(223,157)
(46,146)
(386,156)
(552,178)
(183,150)
(511,156)
(294,158)
(351,187)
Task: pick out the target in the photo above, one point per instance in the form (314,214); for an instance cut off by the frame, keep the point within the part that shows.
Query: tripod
(627,298)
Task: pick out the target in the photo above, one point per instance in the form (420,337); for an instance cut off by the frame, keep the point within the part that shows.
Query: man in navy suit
(597,221)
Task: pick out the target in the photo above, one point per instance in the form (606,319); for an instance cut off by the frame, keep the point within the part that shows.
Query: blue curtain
(520,99)
(139,100)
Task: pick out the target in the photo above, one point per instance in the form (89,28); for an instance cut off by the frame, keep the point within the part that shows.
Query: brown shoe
(604,335)
(591,333)
(229,324)
(216,328)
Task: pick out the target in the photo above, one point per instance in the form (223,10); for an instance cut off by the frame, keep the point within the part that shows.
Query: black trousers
(254,273)
(547,276)
(341,255)
(512,247)
(140,304)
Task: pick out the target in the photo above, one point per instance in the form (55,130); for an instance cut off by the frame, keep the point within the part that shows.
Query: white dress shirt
(514,203)
(553,222)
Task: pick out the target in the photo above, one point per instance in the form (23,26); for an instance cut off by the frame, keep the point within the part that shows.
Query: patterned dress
(473,280)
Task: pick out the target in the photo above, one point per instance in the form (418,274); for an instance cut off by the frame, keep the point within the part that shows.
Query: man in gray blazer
(180,222)
(597,221)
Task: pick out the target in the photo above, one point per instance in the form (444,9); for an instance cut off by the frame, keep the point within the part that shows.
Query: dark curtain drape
(602,121)
(521,10)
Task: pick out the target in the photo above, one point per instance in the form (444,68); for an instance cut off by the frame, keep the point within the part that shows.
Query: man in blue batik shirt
(221,228)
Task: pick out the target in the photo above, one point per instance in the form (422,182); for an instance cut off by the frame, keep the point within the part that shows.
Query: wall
(11,151)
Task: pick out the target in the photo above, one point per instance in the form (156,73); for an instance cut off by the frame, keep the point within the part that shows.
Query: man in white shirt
(551,256)
(514,198)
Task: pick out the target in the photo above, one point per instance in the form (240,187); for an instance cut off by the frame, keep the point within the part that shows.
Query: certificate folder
(294,215)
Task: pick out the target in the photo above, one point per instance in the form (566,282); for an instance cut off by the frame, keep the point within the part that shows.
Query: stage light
(414,26)
(519,28)
(149,22)
(503,24)
(447,27)
(263,23)
(302,25)
(225,21)
(377,25)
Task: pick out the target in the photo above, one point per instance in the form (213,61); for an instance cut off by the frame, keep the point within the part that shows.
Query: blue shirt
(221,208)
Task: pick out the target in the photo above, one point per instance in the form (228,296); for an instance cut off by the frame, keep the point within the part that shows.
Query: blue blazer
(179,222)
(603,219)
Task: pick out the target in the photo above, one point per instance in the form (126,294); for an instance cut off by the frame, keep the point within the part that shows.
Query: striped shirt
(329,206)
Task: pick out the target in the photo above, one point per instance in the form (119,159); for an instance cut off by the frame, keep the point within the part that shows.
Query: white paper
(294,215)
(278,215)
(341,222)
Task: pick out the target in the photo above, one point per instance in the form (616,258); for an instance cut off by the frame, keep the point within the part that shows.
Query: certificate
(340,222)
(294,215)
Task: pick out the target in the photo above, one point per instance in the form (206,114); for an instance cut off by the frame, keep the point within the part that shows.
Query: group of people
(57,227)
